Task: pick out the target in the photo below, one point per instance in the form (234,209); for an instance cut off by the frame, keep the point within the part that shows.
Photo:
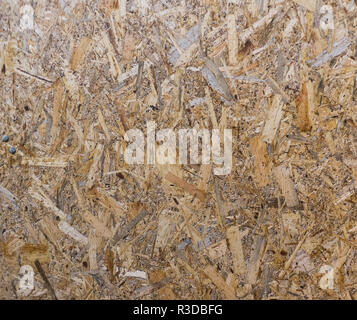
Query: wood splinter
(45,279)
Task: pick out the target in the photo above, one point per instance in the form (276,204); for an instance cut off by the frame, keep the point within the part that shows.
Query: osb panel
(76,75)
